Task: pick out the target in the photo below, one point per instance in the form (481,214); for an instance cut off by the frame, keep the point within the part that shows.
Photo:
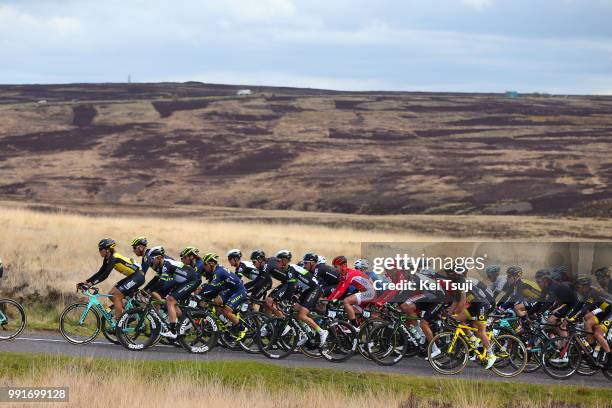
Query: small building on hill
(244,92)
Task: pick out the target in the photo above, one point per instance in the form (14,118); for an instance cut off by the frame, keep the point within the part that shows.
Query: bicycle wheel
(249,342)
(277,338)
(12,319)
(138,329)
(561,357)
(341,342)
(534,348)
(387,343)
(80,324)
(449,360)
(511,355)
(198,332)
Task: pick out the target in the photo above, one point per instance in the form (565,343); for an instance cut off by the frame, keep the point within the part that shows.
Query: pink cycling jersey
(353,277)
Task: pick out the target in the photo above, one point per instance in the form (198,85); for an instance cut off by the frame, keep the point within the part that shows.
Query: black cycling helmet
(139,241)
(582,279)
(283,254)
(107,243)
(258,254)
(514,270)
(602,273)
(543,274)
(157,251)
(311,257)
(190,250)
(492,269)
(234,253)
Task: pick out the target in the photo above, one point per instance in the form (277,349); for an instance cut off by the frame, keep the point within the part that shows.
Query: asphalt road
(37,342)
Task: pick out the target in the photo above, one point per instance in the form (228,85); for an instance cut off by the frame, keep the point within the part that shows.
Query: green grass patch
(283,379)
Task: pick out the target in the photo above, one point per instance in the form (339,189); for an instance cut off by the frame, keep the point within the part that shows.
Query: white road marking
(104,343)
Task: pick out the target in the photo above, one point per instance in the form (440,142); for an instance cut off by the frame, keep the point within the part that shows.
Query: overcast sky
(556,46)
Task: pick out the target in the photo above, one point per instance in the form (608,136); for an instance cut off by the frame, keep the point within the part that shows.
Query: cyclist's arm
(102,273)
(340,289)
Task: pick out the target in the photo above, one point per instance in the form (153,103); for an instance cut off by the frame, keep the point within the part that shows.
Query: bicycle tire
(20,326)
(63,324)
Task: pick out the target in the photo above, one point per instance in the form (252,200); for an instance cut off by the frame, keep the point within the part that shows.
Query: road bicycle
(81,323)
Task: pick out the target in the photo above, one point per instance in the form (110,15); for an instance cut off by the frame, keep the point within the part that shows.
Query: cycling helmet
(362,264)
(602,273)
(139,241)
(582,279)
(258,254)
(107,243)
(514,270)
(157,251)
(543,274)
(339,260)
(190,250)
(321,260)
(311,257)
(234,253)
(492,269)
(558,273)
(210,257)
(283,254)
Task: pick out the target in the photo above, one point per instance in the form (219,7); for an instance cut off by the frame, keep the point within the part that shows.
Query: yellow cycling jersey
(527,290)
(118,262)
(124,265)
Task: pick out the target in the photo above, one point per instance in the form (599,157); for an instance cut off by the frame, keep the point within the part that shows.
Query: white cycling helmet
(234,253)
(321,260)
(362,264)
(284,254)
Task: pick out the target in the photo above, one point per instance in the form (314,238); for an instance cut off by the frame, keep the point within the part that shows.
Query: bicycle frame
(94,302)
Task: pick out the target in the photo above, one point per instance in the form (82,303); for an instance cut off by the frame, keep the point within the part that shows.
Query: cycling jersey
(115,261)
(498,286)
(326,275)
(523,291)
(176,271)
(356,278)
(479,291)
(247,269)
(556,294)
(146,260)
(222,280)
(597,302)
(305,279)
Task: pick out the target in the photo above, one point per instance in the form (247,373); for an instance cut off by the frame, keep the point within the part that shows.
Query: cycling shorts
(233,300)
(182,291)
(309,297)
(367,296)
(478,311)
(130,284)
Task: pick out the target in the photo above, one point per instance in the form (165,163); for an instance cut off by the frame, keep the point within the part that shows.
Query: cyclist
(191,256)
(498,281)
(256,287)
(471,305)
(280,268)
(519,294)
(603,278)
(596,311)
(327,276)
(309,291)
(225,289)
(361,282)
(114,260)
(558,297)
(263,282)
(184,280)
(139,246)
(425,302)
(161,284)
(363,265)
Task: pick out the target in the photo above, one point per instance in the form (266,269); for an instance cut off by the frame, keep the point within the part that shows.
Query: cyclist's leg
(123,288)
(306,302)
(600,329)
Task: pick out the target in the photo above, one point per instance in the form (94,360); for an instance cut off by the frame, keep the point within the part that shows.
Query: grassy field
(47,252)
(225,384)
